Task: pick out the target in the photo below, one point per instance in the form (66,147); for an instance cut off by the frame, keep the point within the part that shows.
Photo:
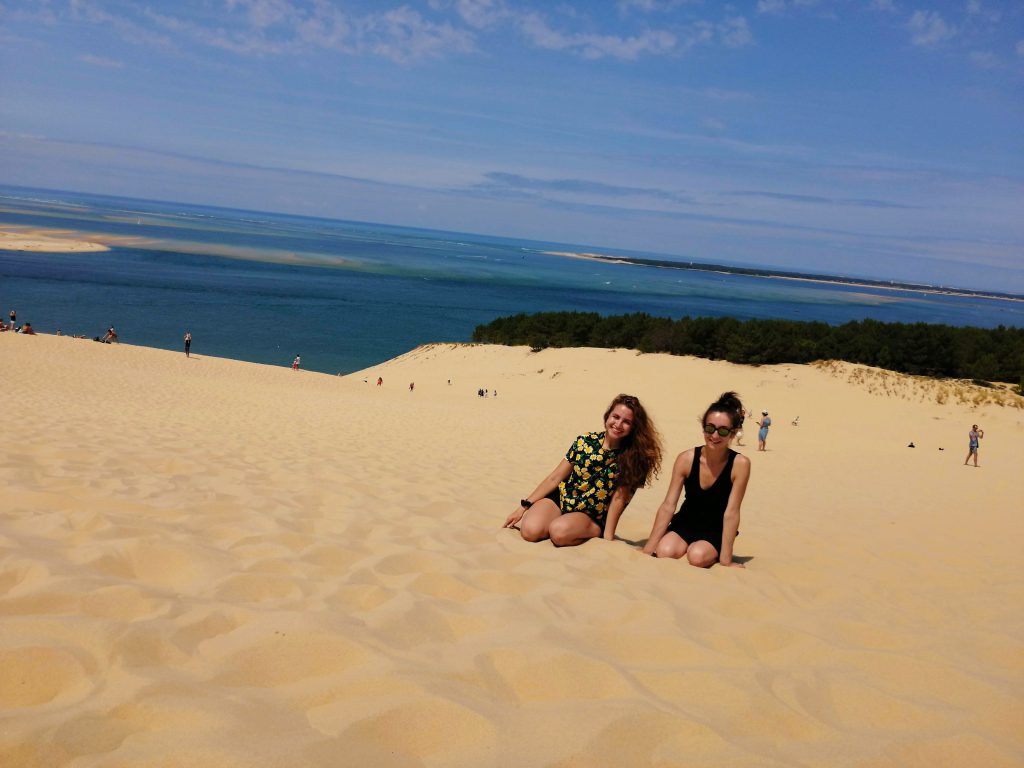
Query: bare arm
(547,485)
(620,500)
(664,514)
(731,521)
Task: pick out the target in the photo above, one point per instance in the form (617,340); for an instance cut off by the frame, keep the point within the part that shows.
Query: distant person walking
(974,437)
(296,362)
(412,385)
(762,433)
(380,380)
(188,342)
(14,318)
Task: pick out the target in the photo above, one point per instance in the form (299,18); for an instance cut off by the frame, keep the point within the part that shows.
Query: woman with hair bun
(587,492)
(715,478)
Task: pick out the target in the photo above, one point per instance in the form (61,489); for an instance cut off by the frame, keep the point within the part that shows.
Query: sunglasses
(710,429)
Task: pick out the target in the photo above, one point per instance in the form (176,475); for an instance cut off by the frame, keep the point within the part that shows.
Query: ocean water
(346,295)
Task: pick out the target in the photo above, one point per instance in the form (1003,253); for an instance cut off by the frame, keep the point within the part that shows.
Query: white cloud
(649,6)
(641,5)
(735,32)
(99,61)
(984,59)
(275,27)
(928,28)
(402,34)
(978,9)
(481,13)
(888,6)
(266,13)
(1020,48)
(595,46)
(771,6)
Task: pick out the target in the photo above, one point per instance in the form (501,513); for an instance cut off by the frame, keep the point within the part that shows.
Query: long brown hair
(639,456)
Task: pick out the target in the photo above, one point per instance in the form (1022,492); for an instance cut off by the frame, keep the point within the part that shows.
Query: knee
(533,533)
(671,549)
(701,556)
(560,533)
(562,539)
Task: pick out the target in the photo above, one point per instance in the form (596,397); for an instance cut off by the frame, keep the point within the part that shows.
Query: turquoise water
(345,295)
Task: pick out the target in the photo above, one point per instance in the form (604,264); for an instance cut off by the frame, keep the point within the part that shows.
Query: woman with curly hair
(715,478)
(587,492)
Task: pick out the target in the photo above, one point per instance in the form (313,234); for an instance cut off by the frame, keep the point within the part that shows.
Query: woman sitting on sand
(715,478)
(587,492)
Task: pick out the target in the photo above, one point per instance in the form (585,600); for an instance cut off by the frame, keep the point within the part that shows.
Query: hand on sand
(514,518)
(734,564)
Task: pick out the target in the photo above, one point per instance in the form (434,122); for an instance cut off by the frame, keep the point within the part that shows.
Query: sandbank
(209,562)
(784,275)
(50,240)
(17,238)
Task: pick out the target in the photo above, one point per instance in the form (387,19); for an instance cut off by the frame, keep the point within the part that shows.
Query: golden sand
(211,563)
(16,238)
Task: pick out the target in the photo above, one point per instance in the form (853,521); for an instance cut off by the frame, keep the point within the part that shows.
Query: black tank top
(704,509)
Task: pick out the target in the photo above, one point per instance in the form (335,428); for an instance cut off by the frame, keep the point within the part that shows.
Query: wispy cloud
(735,32)
(928,28)
(595,46)
(578,186)
(984,59)
(819,200)
(771,6)
(780,6)
(887,6)
(649,6)
(481,13)
(404,33)
(276,27)
(100,61)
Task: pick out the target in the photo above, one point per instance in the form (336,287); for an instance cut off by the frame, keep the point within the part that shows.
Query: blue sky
(862,137)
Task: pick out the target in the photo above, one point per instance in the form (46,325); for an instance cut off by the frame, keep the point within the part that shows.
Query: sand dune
(208,562)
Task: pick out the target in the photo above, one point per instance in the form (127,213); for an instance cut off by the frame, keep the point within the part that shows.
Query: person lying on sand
(715,478)
(585,495)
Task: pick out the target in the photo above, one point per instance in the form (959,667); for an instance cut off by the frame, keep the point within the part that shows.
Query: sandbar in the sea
(15,238)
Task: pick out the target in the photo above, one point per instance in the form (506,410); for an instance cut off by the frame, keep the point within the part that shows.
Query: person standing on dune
(974,438)
(188,342)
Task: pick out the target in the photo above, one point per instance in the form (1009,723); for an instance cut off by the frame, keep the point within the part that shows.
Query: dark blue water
(350,294)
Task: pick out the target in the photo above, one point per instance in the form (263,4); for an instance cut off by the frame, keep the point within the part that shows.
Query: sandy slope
(206,562)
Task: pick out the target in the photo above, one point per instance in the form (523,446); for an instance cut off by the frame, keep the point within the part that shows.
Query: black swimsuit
(703,510)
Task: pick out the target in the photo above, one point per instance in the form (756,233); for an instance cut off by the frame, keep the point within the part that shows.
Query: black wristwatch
(525,503)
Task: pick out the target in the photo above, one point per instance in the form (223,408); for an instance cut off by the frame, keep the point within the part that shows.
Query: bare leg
(571,529)
(534,524)
(671,545)
(702,554)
